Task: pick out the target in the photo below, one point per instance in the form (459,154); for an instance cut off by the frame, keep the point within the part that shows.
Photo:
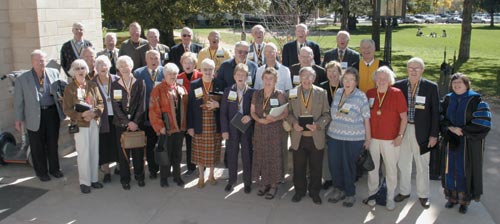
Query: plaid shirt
(411,102)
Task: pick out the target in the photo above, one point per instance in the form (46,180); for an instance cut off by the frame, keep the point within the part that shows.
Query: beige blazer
(318,107)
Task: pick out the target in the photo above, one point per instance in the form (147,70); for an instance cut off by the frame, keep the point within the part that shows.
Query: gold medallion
(379,112)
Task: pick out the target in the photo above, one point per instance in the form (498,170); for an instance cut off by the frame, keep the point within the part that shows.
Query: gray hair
(124,60)
(343,32)
(102,60)
(77,64)
(187,29)
(308,69)
(154,30)
(301,25)
(241,43)
(308,50)
(170,68)
(136,24)
(258,26)
(152,52)
(113,35)
(206,62)
(351,71)
(385,70)
(369,41)
(416,60)
(272,45)
(77,25)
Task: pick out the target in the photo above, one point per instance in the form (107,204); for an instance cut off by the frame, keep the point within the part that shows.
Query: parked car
(412,19)
(454,19)
(480,19)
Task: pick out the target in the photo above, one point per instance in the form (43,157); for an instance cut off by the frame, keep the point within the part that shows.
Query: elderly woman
(466,120)
(129,109)
(333,73)
(204,121)
(188,62)
(267,164)
(170,99)
(388,121)
(236,102)
(108,150)
(308,140)
(348,133)
(83,105)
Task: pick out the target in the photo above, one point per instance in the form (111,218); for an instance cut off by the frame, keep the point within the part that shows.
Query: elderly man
(186,45)
(89,55)
(153,36)
(421,132)
(306,60)
(292,48)
(368,65)
(256,53)
(343,54)
(129,46)
(226,69)
(213,51)
(72,49)
(152,74)
(110,51)
(284,82)
(309,114)
(37,108)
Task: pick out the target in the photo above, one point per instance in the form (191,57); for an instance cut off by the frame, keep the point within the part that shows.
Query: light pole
(388,10)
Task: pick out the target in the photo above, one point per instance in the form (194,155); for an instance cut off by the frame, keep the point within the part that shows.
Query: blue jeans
(342,156)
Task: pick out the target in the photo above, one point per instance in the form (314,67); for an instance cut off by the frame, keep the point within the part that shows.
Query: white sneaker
(390,205)
(372,203)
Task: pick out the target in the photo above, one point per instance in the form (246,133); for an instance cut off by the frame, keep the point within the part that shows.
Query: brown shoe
(212,180)
(400,197)
(201,183)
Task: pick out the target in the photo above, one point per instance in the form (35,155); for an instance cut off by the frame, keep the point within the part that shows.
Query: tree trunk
(345,15)
(375,26)
(492,16)
(464,50)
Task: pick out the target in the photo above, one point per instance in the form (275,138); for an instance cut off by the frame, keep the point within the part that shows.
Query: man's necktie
(259,55)
(341,55)
(153,75)
(186,48)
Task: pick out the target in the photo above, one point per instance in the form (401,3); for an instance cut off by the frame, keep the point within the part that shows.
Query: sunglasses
(186,35)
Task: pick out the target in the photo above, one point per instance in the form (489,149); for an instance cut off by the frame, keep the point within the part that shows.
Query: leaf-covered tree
(490,6)
(464,49)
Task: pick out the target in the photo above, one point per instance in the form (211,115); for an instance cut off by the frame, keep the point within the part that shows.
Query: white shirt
(284,82)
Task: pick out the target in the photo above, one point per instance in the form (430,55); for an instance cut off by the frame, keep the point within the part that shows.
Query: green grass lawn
(483,66)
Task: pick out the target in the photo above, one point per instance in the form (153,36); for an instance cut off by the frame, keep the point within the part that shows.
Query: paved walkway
(63,203)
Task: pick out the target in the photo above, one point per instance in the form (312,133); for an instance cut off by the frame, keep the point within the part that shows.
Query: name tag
(220,53)
(296,80)
(198,93)
(249,80)
(274,102)
(292,93)
(343,65)
(180,90)
(165,56)
(232,96)
(371,101)
(250,56)
(346,108)
(117,94)
(80,93)
(180,81)
(420,102)
(157,83)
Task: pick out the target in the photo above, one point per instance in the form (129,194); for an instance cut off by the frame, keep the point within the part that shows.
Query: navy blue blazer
(229,108)
(194,116)
(143,74)
(290,53)
(178,50)
(350,56)
(426,120)
(226,71)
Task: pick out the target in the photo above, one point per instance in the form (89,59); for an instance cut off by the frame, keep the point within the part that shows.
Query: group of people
(256,101)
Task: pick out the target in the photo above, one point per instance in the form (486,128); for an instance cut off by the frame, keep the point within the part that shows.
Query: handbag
(133,140)
(365,161)
(160,151)
(73,128)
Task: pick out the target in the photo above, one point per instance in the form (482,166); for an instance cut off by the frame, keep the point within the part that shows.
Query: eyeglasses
(415,69)
(186,35)
(242,52)
(80,68)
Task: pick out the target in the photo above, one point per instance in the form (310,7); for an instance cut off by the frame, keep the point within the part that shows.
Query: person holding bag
(83,104)
(129,109)
(167,114)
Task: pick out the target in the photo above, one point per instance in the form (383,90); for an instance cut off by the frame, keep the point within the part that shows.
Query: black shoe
(153,176)
(164,182)
(57,174)
(44,178)
(228,188)
(141,183)
(400,197)
(84,188)
(449,204)
(126,186)
(462,209)
(247,189)
(179,181)
(297,198)
(117,171)
(316,199)
(106,178)
(425,202)
(327,184)
(96,185)
(435,177)
(263,191)
(189,173)
(272,193)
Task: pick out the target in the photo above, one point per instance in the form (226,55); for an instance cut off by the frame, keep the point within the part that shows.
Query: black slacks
(304,155)
(44,142)
(152,138)
(124,161)
(174,149)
